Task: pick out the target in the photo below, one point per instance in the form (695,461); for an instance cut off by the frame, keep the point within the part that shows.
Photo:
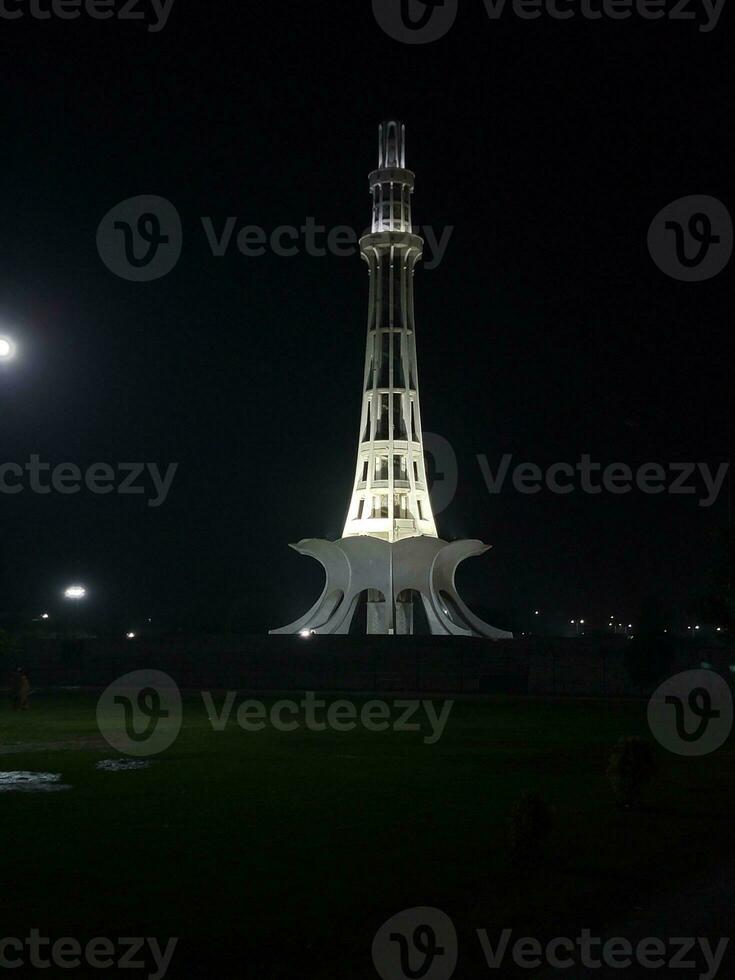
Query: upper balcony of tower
(392,184)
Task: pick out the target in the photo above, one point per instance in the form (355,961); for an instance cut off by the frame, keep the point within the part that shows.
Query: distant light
(630,626)
(696,627)
(719,629)
(306,634)
(44,615)
(75,592)
(131,636)
(582,622)
(537,613)
(572,621)
(6,348)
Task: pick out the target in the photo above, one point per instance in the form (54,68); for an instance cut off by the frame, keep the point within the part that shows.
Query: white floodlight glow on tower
(390,497)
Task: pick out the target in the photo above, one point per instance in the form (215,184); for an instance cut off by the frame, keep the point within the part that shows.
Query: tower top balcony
(391,184)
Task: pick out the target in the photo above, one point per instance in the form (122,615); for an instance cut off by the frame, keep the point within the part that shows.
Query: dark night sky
(547,332)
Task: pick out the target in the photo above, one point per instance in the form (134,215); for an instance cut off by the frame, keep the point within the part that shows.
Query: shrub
(631,767)
(529,828)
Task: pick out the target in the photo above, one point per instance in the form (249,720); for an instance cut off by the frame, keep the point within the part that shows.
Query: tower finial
(392,145)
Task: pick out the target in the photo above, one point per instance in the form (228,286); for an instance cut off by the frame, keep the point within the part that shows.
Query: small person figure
(21,690)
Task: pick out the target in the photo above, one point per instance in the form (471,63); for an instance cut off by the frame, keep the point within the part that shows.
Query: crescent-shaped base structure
(393,574)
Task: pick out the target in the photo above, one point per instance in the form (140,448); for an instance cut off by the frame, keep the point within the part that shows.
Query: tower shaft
(390,498)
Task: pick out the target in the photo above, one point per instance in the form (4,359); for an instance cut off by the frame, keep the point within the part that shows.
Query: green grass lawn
(285,852)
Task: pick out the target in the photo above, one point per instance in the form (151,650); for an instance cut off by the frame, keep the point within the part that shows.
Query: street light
(75,593)
(7,348)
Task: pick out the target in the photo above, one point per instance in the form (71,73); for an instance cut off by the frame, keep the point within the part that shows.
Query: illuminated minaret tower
(390,499)
(390,554)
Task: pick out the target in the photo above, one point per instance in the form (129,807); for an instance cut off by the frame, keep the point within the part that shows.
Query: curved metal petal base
(422,565)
